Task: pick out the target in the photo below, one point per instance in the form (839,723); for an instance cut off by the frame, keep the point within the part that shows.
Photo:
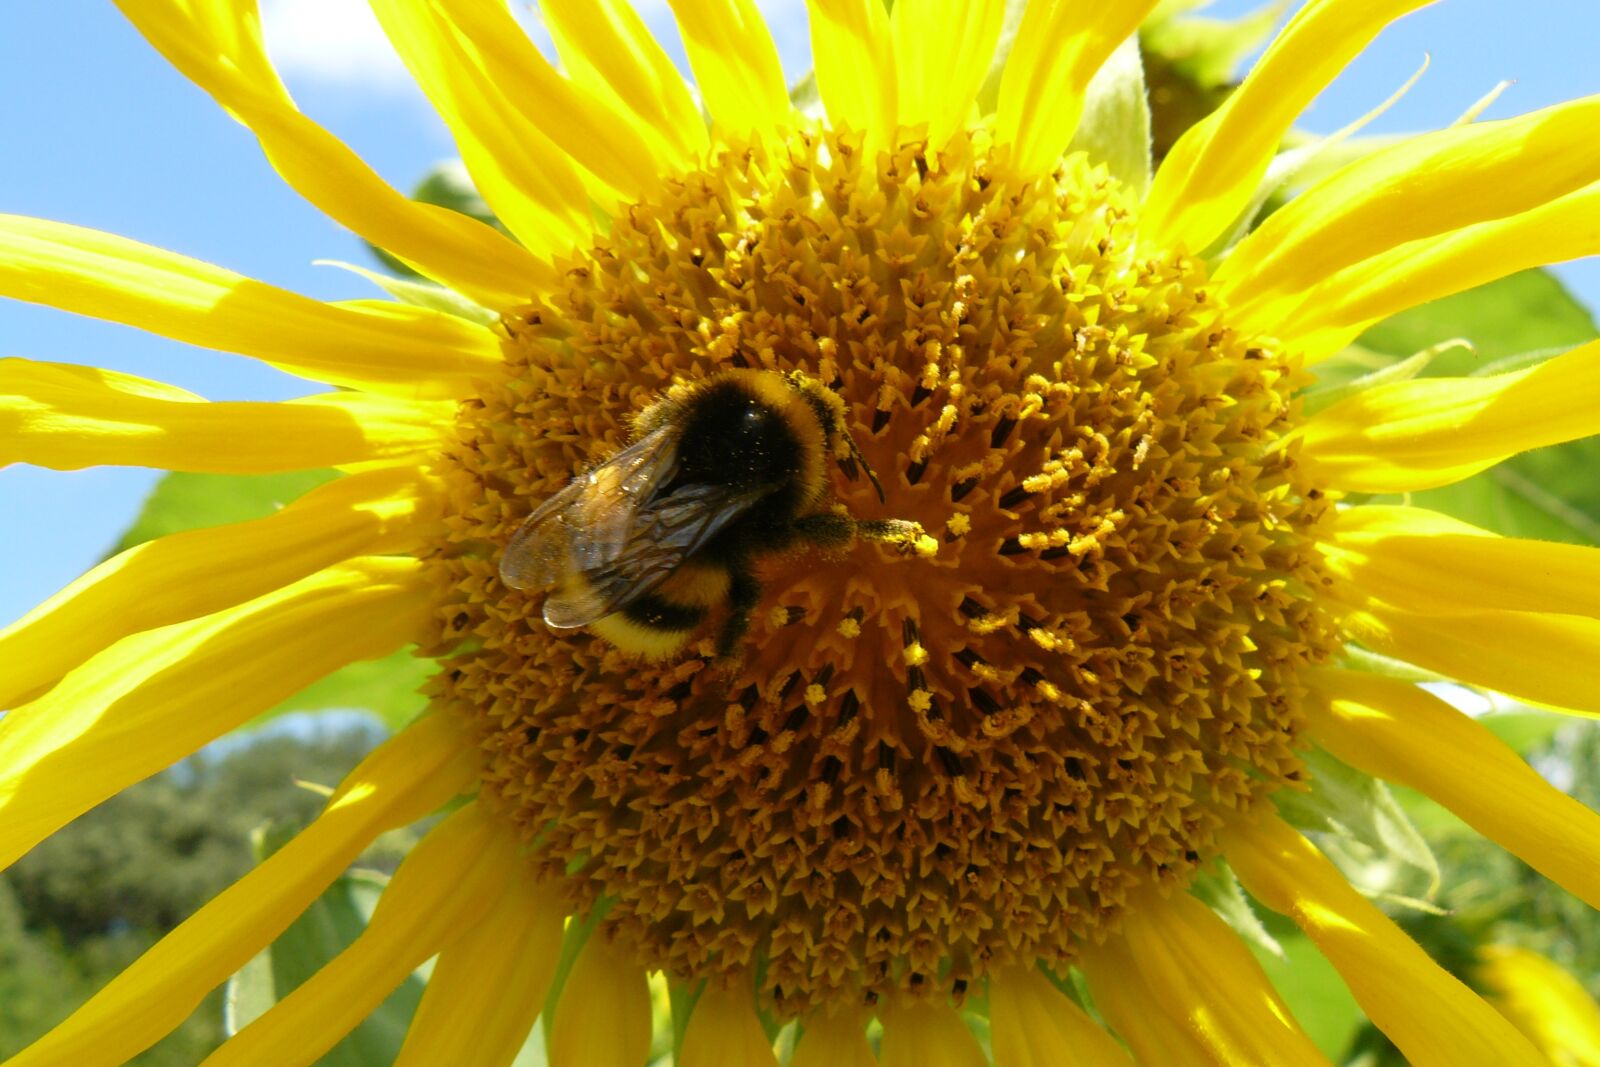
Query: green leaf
(1207,52)
(1367,833)
(1220,891)
(1115,127)
(182,501)
(329,926)
(1521,313)
(448,185)
(1524,729)
(1313,991)
(1550,494)
(420,294)
(387,687)
(248,994)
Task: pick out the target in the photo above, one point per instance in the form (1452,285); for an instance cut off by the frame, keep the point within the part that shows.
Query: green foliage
(1550,493)
(1364,830)
(447,185)
(325,929)
(1115,126)
(88,900)
(183,501)
(385,687)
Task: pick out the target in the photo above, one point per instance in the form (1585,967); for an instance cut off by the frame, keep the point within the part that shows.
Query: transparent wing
(591,519)
(665,533)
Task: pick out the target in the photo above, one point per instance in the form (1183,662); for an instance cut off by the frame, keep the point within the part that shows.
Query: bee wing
(665,532)
(591,519)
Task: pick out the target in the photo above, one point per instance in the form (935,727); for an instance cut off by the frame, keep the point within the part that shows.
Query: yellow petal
(402,780)
(197,572)
(607,49)
(1430,1016)
(1212,172)
(1395,731)
(603,1016)
(918,1033)
(65,416)
(527,181)
(1424,186)
(942,53)
(1420,560)
(723,1031)
(1058,48)
(854,64)
(406,351)
(1546,1003)
(488,985)
(1176,959)
(735,64)
(153,698)
(217,45)
(453,876)
(834,1040)
(1412,435)
(1033,1024)
(1331,315)
(1552,660)
(583,126)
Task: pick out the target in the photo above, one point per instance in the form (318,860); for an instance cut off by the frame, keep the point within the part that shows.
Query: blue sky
(98,131)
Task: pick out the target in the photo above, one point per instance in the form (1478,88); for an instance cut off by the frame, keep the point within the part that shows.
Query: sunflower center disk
(922,768)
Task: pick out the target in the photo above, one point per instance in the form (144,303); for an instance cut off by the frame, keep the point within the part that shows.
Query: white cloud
(333,41)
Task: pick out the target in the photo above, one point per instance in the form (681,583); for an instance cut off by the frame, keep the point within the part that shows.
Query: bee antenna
(859,458)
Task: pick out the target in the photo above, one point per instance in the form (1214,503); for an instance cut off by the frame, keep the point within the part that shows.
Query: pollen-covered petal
(66,416)
(1034,1024)
(1403,436)
(603,1016)
(217,45)
(197,572)
(1430,1016)
(402,780)
(153,698)
(1176,958)
(735,64)
(854,64)
(925,1034)
(402,350)
(1058,48)
(527,181)
(1543,1001)
(607,49)
(1334,313)
(454,876)
(724,1031)
(1552,660)
(1406,735)
(1431,184)
(488,985)
(1420,560)
(1212,172)
(837,1039)
(942,52)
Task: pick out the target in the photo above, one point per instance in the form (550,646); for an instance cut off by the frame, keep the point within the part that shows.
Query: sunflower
(980,779)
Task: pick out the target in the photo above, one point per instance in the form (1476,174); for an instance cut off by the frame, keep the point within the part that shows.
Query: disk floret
(928,763)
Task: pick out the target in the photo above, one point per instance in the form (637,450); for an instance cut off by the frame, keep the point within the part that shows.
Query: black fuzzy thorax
(732,437)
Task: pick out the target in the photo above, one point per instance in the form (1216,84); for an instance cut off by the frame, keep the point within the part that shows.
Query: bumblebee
(644,547)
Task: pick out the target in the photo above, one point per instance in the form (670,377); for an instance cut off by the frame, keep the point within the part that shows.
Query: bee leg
(827,529)
(744,593)
(836,529)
